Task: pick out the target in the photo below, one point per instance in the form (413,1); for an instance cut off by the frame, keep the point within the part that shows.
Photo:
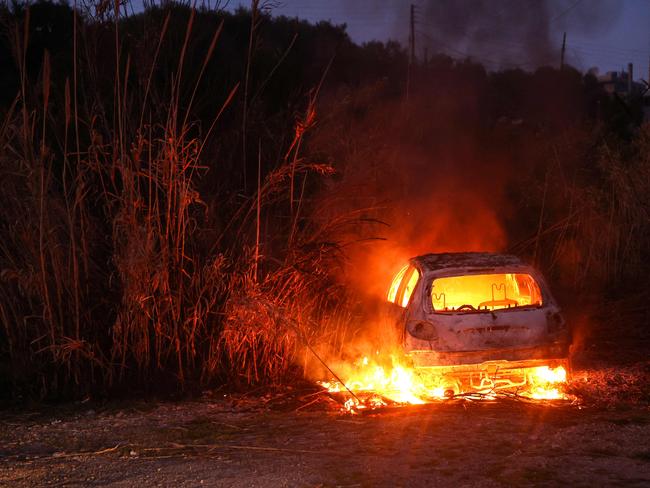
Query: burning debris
(374,384)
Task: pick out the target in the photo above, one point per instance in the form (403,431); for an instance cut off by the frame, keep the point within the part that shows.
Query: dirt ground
(244,441)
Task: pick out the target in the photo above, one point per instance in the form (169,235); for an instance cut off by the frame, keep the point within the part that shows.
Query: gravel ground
(236,442)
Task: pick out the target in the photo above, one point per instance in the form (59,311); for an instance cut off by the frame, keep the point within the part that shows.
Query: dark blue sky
(603,33)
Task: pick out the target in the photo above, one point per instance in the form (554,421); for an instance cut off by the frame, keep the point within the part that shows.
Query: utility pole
(630,79)
(563,51)
(412,36)
(412,51)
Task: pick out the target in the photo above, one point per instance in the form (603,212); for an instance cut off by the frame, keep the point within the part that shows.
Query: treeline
(180,188)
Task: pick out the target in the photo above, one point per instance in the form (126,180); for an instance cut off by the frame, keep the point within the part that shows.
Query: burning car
(482,321)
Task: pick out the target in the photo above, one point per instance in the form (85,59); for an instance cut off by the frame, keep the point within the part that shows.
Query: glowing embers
(539,383)
(403,285)
(484,292)
(381,382)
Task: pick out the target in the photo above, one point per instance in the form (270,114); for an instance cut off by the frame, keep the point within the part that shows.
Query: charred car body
(479,318)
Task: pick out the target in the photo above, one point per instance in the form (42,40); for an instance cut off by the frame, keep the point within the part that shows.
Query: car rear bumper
(525,357)
(490,377)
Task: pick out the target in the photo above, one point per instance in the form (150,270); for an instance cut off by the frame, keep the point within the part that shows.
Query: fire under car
(483,321)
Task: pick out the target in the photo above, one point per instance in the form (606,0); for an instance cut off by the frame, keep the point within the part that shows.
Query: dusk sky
(603,33)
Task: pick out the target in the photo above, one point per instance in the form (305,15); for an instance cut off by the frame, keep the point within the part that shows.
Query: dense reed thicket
(179,187)
(116,271)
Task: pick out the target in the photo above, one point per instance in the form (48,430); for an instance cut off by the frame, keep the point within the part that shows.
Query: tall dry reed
(106,281)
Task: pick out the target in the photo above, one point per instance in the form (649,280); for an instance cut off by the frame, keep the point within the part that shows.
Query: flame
(543,380)
(394,382)
(376,382)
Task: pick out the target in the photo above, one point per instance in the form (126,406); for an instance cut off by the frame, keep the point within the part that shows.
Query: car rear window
(484,292)
(403,285)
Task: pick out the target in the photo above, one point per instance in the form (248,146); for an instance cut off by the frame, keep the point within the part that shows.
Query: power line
(566,11)
(593,49)
(467,55)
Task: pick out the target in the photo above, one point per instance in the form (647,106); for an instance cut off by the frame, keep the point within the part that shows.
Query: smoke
(499,33)
(526,34)
(428,174)
(455,215)
(424,175)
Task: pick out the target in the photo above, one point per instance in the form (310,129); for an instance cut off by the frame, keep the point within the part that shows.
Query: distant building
(619,83)
(623,85)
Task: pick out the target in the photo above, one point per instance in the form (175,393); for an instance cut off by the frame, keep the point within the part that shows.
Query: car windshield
(484,292)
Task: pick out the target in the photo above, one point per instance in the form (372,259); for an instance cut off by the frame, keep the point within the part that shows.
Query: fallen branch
(211,447)
(59,455)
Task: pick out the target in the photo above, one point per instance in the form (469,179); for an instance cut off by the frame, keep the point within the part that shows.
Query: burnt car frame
(463,314)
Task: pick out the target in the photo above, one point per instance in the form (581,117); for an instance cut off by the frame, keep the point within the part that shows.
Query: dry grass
(594,220)
(104,280)
(613,387)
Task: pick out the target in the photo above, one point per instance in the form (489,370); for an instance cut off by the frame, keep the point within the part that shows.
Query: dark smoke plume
(510,32)
(439,176)
(499,33)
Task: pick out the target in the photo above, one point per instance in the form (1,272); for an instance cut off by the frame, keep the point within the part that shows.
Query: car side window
(394,286)
(403,285)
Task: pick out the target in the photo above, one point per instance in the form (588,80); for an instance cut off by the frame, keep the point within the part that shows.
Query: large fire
(383,379)
(380,381)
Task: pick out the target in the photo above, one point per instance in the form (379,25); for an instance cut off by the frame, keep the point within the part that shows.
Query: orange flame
(546,383)
(377,382)
(397,383)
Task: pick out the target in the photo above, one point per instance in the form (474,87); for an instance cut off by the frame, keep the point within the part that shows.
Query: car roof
(436,262)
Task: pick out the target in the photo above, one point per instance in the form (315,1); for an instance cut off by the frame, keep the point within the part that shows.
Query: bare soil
(264,441)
